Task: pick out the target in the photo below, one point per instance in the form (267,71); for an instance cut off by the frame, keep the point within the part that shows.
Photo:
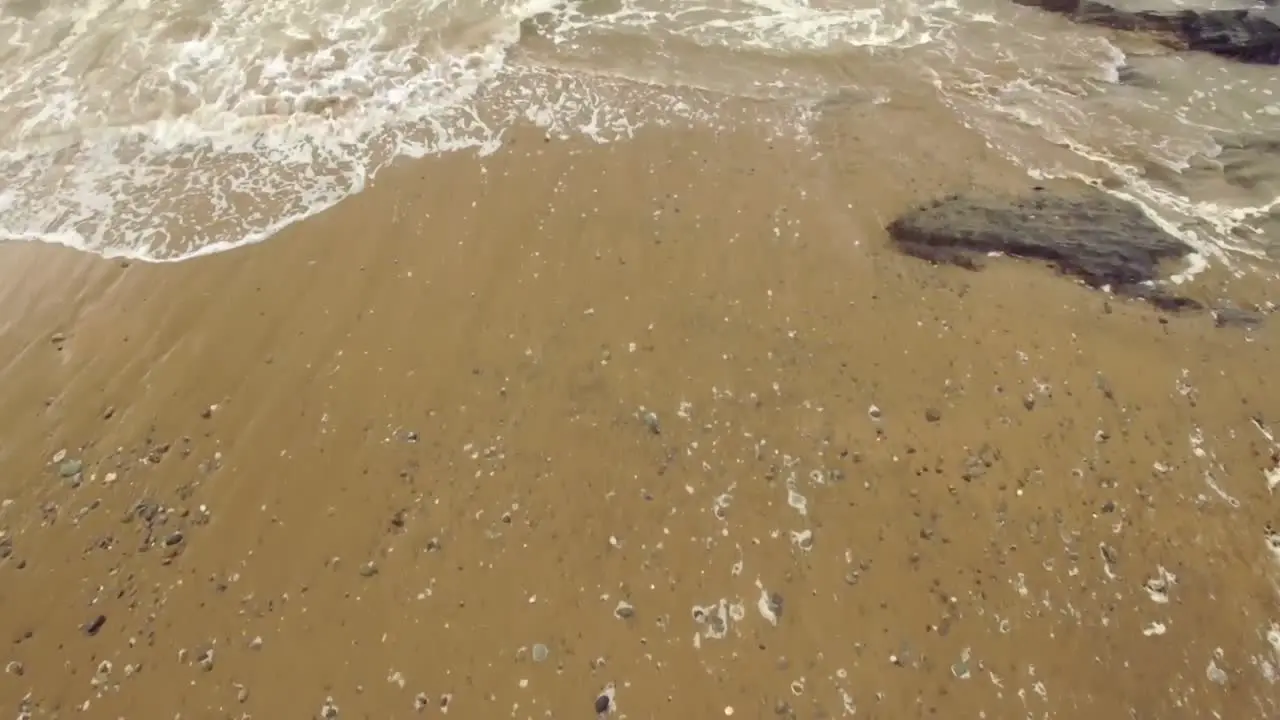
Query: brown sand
(390,451)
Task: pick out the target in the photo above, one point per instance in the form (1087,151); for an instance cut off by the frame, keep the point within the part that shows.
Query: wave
(164,132)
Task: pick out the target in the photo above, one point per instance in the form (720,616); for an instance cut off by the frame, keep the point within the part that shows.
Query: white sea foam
(168,130)
(164,131)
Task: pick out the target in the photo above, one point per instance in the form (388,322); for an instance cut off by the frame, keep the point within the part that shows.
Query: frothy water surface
(168,129)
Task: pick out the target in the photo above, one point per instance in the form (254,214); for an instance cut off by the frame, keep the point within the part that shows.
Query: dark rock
(602,704)
(1132,76)
(1246,161)
(92,627)
(1095,237)
(1246,34)
(1233,317)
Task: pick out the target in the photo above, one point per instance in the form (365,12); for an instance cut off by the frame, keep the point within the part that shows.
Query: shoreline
(393,449)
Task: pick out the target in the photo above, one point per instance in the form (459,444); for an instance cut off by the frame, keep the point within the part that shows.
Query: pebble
(15,668)
(624,610)
(932,415)
(92,627)
(420,702)
(775,604)
(602,704)
(369,569)
(540,652)
(70,468)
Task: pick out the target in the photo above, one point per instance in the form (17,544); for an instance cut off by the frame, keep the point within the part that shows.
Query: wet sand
(672,409)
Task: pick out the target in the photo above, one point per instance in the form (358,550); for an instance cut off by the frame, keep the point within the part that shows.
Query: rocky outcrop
(1093,236)
(1247,34)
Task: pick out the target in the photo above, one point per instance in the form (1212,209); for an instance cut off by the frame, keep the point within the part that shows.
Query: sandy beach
(667,418)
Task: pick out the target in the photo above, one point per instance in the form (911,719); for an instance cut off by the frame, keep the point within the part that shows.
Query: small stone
(70,468)
(242,694)
(540,652)
(206,660)
(369,569)
(329,711)
(933,415)
(651,422)
(15,668)
(1108,507)
(256,643)
(775,604)
(92,627)
(624,610)
(1109,554)
(174,538)
(602,704)
(874,412)
(57,338)
(420,702)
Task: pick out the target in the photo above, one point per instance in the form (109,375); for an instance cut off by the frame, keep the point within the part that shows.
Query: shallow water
(165,130)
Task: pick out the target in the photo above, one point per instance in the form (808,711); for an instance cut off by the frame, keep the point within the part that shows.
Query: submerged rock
(1247,33)
(1092,236)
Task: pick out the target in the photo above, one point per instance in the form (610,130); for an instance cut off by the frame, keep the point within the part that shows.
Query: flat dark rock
(1247,34)
(1095,237)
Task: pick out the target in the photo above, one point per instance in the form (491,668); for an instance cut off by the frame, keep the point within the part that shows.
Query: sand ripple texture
(167,130)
